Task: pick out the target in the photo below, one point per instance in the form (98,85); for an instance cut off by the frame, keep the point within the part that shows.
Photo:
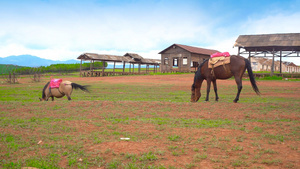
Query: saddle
(218,59)
(54,83)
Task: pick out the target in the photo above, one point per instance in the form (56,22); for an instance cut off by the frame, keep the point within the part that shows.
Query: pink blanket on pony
(226,54)
(54,83)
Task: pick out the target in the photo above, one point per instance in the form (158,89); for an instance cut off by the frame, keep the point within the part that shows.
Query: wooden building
(183,58)
(265,64)
(269,45)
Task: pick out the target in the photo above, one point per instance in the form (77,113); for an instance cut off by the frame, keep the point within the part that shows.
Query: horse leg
(238,81)
(215,89)
(208,89)
(52,98)
(47,97)
(68,94)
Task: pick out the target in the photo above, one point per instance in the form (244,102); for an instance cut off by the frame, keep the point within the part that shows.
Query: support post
(80,68)
(249,57)
(123,67)
(139,68)
(272,68)
(133,68)
(280,62)
(129,67)
(91,65)
(114,67)
(103,65)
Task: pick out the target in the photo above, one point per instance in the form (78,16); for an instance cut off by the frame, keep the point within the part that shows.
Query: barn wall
(175,53)
(199,58)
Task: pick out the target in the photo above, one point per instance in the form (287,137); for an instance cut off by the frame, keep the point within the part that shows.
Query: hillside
(32,61)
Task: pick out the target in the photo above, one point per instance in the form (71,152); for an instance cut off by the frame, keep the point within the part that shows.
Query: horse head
(42,99)
(195,96)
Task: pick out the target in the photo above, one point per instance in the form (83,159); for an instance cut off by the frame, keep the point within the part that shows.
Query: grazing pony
(65,88)
(236,68)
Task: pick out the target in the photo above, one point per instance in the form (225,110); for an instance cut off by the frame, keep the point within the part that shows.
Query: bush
(57,68)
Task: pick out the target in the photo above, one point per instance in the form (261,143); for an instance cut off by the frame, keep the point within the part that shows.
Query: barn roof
(192,49)
(284,41)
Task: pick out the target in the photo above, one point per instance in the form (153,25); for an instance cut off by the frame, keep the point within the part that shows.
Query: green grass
(160,121)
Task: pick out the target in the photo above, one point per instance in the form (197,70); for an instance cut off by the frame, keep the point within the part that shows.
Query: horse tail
(44,90)
(251,76)
(83,88)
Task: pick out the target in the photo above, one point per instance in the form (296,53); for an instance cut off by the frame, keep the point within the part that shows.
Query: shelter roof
(115,58)
(284,42)
(134,56)
(192,49)
(104,57)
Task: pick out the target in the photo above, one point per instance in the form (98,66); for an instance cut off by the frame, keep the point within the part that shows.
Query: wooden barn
(183,58)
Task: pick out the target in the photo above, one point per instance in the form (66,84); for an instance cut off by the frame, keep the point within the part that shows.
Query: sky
(64,29)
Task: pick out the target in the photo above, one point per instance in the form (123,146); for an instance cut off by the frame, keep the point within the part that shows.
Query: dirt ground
(222,146)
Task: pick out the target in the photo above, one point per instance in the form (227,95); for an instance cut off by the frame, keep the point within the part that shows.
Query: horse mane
(198,73)
(43,92)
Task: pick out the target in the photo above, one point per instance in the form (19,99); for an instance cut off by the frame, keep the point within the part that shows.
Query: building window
(166,61)
(184,61)
(195,64)
(175,62)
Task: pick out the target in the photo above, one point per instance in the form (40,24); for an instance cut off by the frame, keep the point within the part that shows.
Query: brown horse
(65,88)
(236,68)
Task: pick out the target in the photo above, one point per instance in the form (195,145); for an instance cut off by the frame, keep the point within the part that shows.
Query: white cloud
(278,23)
(59,33)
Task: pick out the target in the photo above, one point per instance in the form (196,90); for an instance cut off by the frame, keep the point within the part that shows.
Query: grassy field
(164,129)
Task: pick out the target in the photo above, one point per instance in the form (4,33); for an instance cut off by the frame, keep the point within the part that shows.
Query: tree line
(64,68)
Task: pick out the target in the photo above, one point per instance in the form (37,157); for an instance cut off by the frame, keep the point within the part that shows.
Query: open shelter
(126,59)
(269,45)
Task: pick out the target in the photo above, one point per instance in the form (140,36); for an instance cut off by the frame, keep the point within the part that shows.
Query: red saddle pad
(54,83)
(226,54)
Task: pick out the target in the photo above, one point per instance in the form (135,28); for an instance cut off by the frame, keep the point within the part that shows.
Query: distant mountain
(32,61)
